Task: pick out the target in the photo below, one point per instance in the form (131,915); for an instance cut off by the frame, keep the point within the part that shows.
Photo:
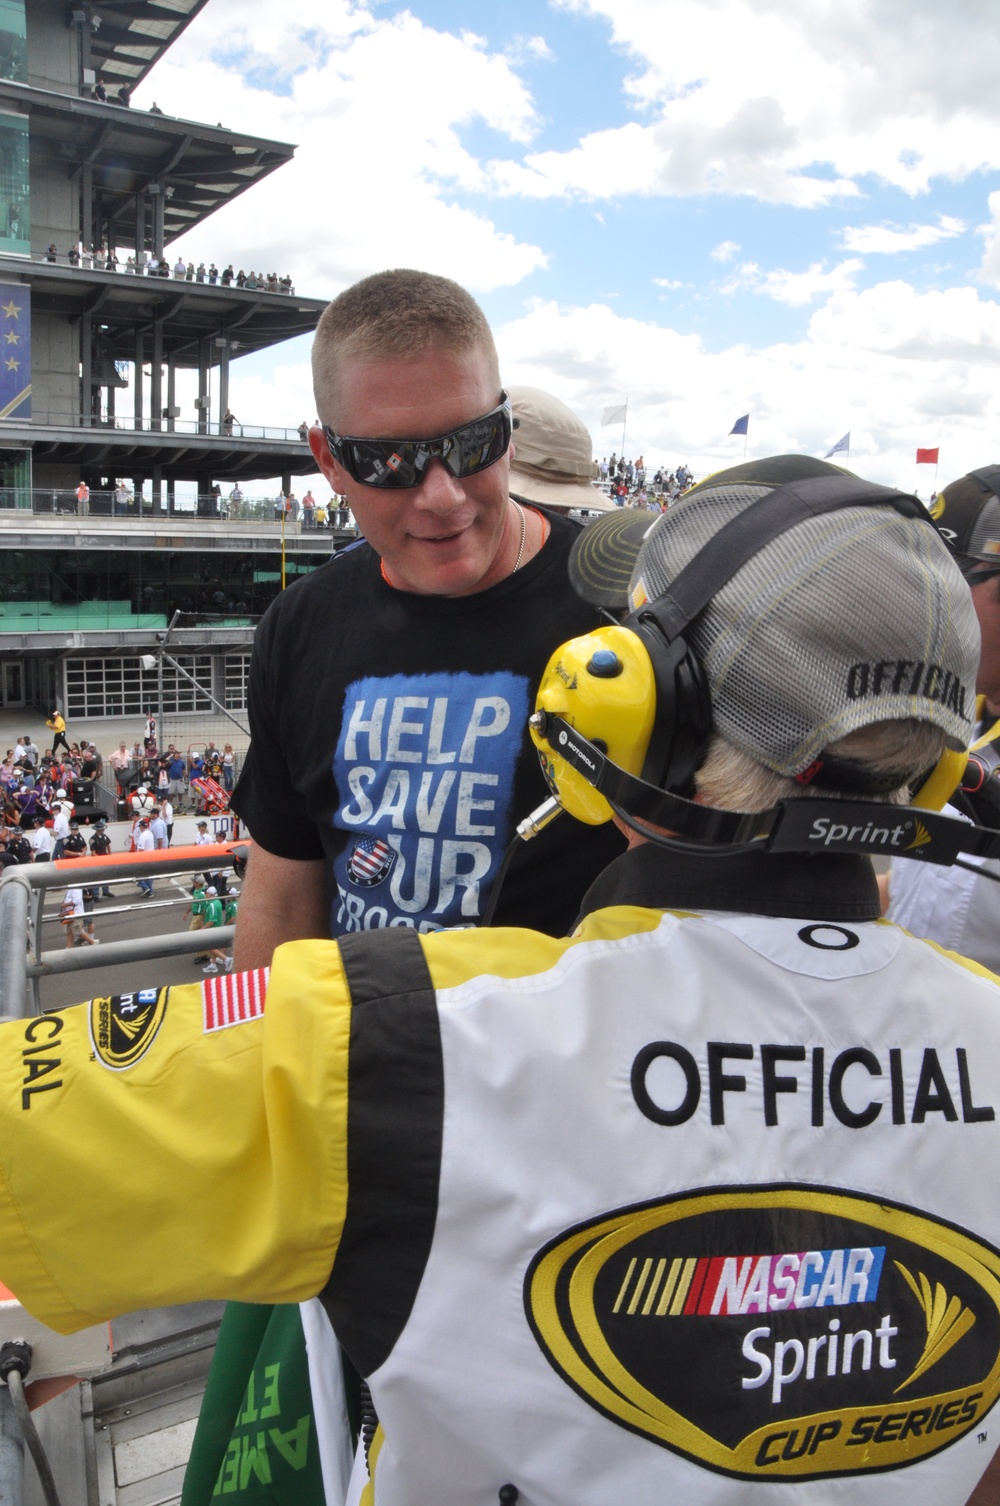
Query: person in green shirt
(195,914)
(232,905)
(212,917)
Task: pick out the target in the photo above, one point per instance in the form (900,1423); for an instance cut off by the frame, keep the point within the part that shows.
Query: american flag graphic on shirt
(370,861)
(234,998)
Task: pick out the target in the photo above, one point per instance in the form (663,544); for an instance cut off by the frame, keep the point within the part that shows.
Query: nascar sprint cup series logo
(780,1333)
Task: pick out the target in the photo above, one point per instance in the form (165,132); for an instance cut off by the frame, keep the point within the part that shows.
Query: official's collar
(802,887)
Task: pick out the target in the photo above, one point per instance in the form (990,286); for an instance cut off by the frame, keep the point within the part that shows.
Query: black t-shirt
(389,737)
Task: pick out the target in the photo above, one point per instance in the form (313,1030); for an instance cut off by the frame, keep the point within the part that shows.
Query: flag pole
(746,432)
(624,422)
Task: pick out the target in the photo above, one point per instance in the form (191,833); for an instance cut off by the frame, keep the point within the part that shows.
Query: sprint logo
(843,835)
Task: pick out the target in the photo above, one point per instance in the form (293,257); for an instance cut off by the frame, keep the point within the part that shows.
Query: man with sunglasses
(386,775)
(385,778)
(957,908)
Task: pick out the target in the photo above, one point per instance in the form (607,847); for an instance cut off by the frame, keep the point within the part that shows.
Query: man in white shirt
(158,829)
(60,828)
(144,842)
(41,843)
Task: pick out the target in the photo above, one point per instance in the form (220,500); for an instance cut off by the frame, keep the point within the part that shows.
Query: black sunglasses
(395,463)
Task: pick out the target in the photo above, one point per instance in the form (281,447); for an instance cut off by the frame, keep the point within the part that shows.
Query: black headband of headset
(758,525)
(810,825)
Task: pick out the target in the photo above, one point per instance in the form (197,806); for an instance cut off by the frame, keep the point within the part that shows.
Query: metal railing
(127,423)
(22,896)
(41,502)
(94,261)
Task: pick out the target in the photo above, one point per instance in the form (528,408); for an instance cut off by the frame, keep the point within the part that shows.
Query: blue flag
(741,425)
(842,446)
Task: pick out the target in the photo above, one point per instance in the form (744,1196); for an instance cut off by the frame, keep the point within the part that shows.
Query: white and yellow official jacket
(698,1206)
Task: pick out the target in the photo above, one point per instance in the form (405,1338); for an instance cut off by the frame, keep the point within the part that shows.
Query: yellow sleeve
(177,1144)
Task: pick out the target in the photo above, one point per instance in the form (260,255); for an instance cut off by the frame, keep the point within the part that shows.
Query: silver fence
(24,963)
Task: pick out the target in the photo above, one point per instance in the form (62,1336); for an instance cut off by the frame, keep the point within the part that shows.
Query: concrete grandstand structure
(90,357)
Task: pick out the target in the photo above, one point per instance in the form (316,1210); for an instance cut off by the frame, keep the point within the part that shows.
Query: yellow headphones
(603,685)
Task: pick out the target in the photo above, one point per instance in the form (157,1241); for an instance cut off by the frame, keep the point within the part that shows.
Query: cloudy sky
(708,207)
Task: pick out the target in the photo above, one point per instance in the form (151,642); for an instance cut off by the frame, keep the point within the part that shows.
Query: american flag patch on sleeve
(234,998)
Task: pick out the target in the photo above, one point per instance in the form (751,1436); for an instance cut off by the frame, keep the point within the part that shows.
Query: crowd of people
(102,258)
(627,484)
(35,783)
(41,790)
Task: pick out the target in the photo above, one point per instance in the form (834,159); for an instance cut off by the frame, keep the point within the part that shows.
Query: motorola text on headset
(624,713)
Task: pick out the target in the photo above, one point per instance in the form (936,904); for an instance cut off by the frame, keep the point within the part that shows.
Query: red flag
(927,457)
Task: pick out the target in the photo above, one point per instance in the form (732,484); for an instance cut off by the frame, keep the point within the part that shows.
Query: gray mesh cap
(848,619)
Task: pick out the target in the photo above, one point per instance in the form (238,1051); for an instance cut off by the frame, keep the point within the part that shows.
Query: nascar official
(696,1205)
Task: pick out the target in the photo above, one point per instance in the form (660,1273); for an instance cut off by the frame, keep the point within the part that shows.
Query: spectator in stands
(308,512)
(213,273)
(180,269)
(121,762)
(228,420)
(154,109)
(100,92)
(228,766)
(227,276)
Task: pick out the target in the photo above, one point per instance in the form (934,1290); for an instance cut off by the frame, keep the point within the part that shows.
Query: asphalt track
(126,917)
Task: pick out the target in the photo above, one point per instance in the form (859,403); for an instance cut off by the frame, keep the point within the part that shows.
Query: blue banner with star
(15,350)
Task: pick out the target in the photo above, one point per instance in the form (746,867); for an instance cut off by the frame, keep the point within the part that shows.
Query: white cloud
(380,163)
(873,239)
(989,271)
(529,50)
(724,251)
(793,288)
(669,282)
(789,104)
(896,367)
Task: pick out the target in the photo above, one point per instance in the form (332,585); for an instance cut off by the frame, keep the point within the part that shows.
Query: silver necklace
(524,535)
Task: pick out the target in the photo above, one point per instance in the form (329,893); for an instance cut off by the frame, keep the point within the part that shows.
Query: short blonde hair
(396,313)
(732,780)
